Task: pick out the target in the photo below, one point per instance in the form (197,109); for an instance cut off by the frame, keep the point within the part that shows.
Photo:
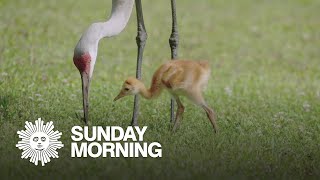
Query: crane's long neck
(88,43)
(120,14)
(146,93)
(156,83)
(121,11)
(153,92)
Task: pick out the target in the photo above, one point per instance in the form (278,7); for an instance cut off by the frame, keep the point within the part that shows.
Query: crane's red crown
(82,62)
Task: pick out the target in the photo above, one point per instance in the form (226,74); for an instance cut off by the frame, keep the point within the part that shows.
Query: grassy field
(264,87)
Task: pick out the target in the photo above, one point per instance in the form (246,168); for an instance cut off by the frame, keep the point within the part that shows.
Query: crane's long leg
(211,116)
(197,98)
(179,114)
(141,41)
(174,42)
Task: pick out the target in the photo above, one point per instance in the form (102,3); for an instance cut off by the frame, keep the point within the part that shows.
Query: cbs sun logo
(39,142)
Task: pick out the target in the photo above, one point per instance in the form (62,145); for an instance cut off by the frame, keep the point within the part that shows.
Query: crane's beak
(85,94)
(120,95)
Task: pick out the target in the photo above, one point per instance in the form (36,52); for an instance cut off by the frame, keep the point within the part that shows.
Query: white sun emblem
(39,142)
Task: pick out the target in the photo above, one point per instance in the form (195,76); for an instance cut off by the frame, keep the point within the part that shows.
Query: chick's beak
(120,95)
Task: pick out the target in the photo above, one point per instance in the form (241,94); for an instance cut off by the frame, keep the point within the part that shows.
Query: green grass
(265,87)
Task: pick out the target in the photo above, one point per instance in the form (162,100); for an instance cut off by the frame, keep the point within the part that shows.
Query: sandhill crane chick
(180,78)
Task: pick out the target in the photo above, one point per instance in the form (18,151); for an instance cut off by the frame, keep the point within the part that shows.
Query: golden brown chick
(180,78)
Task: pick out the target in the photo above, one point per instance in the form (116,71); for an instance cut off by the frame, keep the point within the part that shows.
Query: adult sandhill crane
(85,52)
(180,78)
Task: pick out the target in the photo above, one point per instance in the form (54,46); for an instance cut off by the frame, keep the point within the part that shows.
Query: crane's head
(83,62)
(131,86)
